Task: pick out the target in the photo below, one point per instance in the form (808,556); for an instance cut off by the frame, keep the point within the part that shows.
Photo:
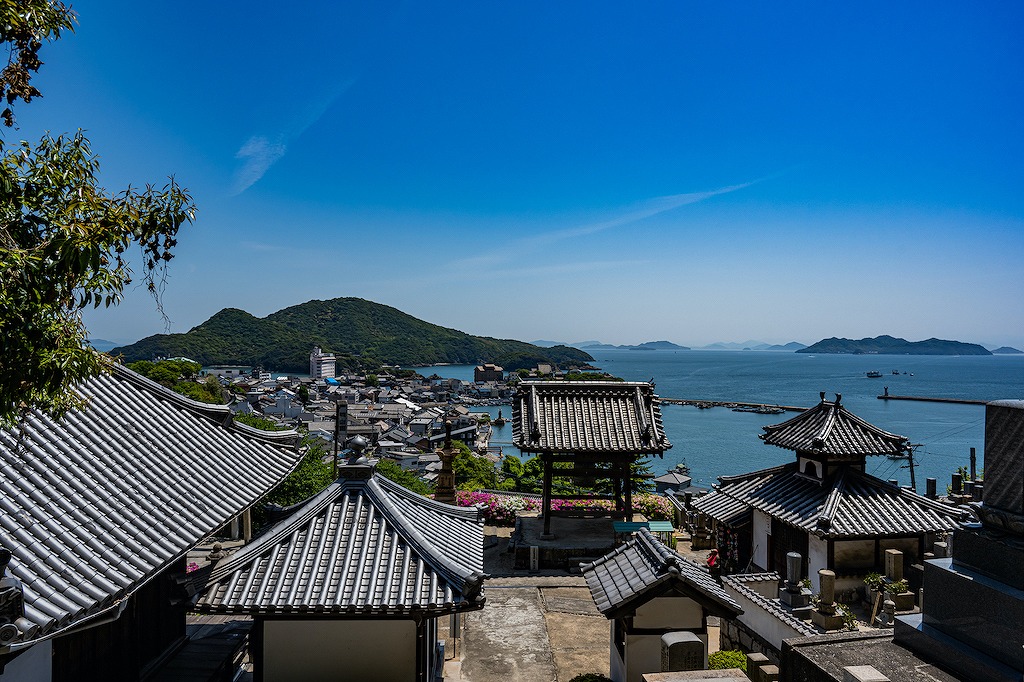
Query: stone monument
(825,616)
(792,593)
(974,603)
(444,491)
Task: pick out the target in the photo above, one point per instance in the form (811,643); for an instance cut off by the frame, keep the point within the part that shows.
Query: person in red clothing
(712,560)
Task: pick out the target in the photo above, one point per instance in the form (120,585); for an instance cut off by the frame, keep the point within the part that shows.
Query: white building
(321,365)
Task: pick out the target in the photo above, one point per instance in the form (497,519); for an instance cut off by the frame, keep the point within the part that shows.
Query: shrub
(874,581)
(720,660)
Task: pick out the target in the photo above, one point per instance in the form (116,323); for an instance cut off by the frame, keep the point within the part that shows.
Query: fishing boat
(874,374)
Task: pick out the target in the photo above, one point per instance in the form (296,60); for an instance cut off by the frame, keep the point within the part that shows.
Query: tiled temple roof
(644,568)
(588,417)
(849,504)
(97,503)
(364,545)
(830,429)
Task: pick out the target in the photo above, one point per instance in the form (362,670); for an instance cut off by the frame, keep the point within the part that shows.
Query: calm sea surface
(718,441)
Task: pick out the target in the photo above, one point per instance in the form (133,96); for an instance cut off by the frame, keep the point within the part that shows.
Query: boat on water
(874,374)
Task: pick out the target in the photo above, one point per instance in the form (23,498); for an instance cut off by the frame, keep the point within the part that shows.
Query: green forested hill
(362,334)
(895,346)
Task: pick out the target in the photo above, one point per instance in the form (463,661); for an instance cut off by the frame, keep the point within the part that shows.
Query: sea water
(719,442)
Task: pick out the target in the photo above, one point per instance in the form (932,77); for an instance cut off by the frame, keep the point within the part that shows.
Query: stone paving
(535,627)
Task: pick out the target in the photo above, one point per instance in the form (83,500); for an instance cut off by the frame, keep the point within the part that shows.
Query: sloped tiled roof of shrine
(644,568)
(849,504)
(365,545)
(588,417)
(830,429)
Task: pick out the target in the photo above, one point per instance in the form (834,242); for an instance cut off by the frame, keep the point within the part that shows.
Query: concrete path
(508,639)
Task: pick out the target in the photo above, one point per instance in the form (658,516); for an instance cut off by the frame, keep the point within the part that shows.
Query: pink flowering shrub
(501,509)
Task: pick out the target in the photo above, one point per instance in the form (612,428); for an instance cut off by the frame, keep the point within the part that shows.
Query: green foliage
(261,423)
(897,587)
(24,26)
(874,581)
(166,372)
(472,472)
(391,470)
(208,391)
(63,238)
(303,395)
(722,660)
(360,333)
(311,476)
(591,677)
(372,380)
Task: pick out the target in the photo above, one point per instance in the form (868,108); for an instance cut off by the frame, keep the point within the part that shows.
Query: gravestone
(682,651)
(825,615)
(894,564)
(971,621)
(792,593)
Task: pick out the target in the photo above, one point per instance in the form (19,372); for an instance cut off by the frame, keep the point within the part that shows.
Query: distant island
(1006,350)
(754,345)
(362,335)
(647,345)
(888,345)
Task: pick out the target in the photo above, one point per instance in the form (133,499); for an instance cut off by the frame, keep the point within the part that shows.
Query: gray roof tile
(588,416)
(850,504)
(644,568)
(363,545)
(100,501)
(828,428)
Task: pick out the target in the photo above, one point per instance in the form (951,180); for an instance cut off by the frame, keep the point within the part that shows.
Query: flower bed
(501,510)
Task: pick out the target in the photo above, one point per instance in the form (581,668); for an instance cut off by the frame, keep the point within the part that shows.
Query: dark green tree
(391,470)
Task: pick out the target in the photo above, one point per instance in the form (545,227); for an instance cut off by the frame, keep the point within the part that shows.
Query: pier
(924,399)
(768,408)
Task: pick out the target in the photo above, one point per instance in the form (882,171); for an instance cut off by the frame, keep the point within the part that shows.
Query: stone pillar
(930,488)
(768,673)
(754,663)
(894,564)
(682,650)
(825,615)
(957,484)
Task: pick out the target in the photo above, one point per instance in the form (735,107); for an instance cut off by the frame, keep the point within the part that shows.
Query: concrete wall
(643,655)
(817,559)
(34,665)
(756,619)
(353,650)
(761,529)
(670,613)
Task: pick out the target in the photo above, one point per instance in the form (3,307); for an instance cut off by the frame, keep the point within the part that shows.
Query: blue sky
(570,171)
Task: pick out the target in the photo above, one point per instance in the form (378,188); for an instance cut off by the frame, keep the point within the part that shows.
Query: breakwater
(927,399)
(763,408)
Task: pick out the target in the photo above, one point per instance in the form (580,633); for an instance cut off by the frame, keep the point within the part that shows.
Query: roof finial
(839,396)
(822,394)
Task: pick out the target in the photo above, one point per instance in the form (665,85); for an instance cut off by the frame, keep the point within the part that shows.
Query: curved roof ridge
(761,472)
(469,579)
(470,513)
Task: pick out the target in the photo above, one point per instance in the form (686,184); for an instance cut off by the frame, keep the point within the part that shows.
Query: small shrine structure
(823,505)
(355,584)
(599,428)
(658,603)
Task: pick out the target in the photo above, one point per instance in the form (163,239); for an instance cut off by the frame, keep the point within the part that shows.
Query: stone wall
(735,636)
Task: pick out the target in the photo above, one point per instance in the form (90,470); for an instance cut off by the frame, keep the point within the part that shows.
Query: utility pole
(910,464)
(337,428)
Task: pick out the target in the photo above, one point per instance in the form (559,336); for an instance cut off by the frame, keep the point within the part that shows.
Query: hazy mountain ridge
(361,333)
(889,345)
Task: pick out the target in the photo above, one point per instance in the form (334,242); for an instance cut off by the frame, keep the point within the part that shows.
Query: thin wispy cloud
(645,209)
(629,215)
(260,152)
